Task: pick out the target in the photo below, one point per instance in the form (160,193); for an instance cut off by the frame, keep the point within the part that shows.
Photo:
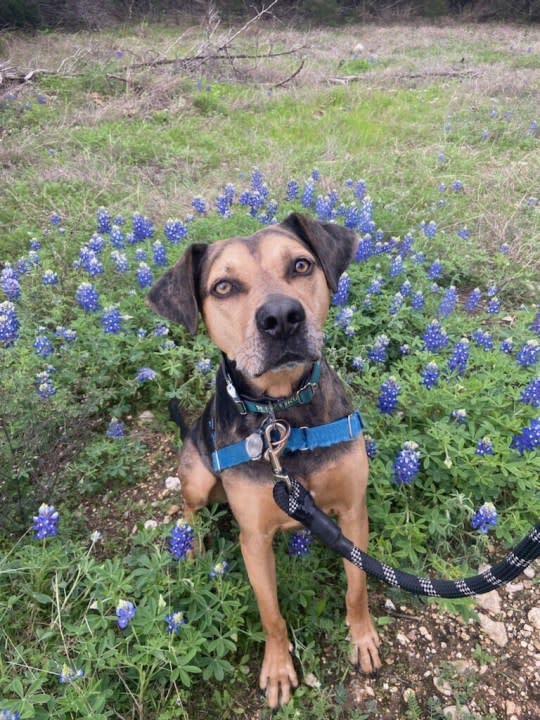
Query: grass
(416,121)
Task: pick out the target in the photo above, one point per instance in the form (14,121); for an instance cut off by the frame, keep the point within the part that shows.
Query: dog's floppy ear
(176,294)
(331,243)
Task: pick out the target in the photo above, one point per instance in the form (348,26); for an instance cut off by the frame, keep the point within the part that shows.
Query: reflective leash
(297,502)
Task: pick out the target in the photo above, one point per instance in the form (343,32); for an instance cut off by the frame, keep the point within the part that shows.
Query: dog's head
(263,298)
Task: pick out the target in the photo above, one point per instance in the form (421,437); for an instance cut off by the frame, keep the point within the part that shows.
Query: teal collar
(268,405)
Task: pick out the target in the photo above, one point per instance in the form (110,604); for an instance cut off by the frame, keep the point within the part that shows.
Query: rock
(408,695)
(443,686)
(402,639)
(146,416)
(511,708)
(311,681)
(496,631)
(490,602)
(514,587)
(534,617)
(455,713)
(172,510)
(172,483)
(529,572)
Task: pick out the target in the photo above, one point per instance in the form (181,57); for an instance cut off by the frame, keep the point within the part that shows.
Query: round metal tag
(254,446)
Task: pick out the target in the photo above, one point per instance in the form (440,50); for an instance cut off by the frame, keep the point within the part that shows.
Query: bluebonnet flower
(473,298)
(181,539)
(429,229)
(483,339)
(430,375)
(406,288)
(464,233)
(532,201)
(257,181)
(49,277)
(484,518)
(435,288)
(388,395)
(435,337)
(35,244)
(506,346)
(125,612)
(528,439)
(376,285)
(308,193)
(533,127)
(142,333)
(531,394)
(448,302)
(142,228)
(9,715)
(442,187)
(434,270)
(161,330)
(535,325)
(11,288)
(460,357)
(116,429)
(457,186)
(407,463)
(111,320)
(44,384)
(324,208)
(204,365)
(371,446)
(494,305)
(341,296)
(103,220)
(504,248)
(360,189)
(55,218)
(33,258)
(175,231)
(120,261)
(492,290)
(175,621)
(269,215)
(299,544)
(378,352)
(365,248)
(358,363)
(117,237)
(396,304)
(316,174)
(96,243)
(419,258)
(405,349)
(88,298)
(90,262)
(396,268)
(144,275)
(459,415)
(145,374)
(344,316)
(9,324)
(159,253)
(45,523)
(529,353)
(484,446)
(141,255)
(219,569)
(67,675)
(417,300)
(254,200)
(43,346)
(292,190)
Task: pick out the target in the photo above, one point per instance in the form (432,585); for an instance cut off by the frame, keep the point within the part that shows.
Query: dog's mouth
(287,361)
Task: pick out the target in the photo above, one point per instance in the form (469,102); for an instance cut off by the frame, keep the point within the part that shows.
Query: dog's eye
(302,266)
(222,288)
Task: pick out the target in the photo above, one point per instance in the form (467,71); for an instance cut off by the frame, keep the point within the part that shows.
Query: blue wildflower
(430,375)
(9,715)
(506,346)
(199,205)
(43,346)
(484,518)
(406,288)
(365,248)
(492,290)
(494,305)
(11,288)
(460,357)
(161,330)
(125,612)
(358,363)
(181,539)
(376,285)
(483,339)
(535,325)
(204,365)
(145,374)
(464,233)
(504,248)
(45,523)
(457,186)
(103,220)
(459,415)
(341,296)
(388,395)
(111,321)
(434,270)
(35,244)
(292,190)
(55,218)
(396,304)
(141,255)
(448,302)
(116,429)
(49,277)
(117,237)
(219,569)
(484,446)
(471,303)
(88,298)
(360,189)
(159,254)
(417,300)
(175,231)
(429,229)
(67,675)
(531,394)
(435,337)
(175,621)
(120,260)
(528,439)
(371,447)
(299,544)
(344,316)
(308,193)
(379,349)
(9,324)
(142,228)
(407,463)
(396,268)
(529,353)
(144,275)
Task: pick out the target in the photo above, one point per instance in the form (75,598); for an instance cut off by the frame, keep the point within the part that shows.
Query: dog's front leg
(277,673)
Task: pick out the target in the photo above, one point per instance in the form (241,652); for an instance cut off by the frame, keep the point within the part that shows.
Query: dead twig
(295,73)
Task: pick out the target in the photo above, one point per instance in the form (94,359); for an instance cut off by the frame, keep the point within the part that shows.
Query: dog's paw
(278,675)
(364,651)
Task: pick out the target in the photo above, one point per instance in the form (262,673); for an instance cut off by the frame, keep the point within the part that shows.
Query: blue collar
(267,405)
(301,439)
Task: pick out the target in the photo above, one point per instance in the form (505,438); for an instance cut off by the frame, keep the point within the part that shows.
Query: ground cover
(425,140)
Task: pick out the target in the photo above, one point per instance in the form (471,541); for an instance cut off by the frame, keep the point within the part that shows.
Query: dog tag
(254,446)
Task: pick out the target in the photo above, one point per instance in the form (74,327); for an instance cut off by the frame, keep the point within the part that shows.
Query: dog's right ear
(176,294)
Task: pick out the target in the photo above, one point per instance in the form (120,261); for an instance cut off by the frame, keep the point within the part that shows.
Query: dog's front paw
(278,675)
(364,647)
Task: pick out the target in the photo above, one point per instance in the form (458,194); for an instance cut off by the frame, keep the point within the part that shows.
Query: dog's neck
(280,383)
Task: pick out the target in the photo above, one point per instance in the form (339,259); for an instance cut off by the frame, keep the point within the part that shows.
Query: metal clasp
(276,434)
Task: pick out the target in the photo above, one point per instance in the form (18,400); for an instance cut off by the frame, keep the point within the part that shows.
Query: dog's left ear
(332,244)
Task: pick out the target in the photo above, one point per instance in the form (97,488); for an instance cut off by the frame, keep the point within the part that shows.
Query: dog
(264,300)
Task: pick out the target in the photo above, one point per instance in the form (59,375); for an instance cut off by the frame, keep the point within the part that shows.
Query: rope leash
(297,502)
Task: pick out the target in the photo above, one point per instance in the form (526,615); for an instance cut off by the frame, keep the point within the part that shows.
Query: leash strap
(300,439)
(296,501)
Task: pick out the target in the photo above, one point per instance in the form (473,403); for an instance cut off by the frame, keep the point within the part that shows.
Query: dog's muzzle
(280,317)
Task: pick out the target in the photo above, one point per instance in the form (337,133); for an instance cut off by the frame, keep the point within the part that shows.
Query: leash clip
(276,434)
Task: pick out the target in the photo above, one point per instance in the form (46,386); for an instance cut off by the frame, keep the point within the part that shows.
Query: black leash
(297,502)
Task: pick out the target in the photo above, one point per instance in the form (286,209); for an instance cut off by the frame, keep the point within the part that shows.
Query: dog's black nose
(280,316)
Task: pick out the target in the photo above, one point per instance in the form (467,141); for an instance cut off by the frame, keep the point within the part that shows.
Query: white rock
(443,686)
(496,631)
(150,525)
(490,602)
(529,572)
(311,681)
(534,617)
(402,639)
(172,483)
(514,587)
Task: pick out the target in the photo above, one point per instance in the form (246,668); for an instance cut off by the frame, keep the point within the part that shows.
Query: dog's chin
(288,361)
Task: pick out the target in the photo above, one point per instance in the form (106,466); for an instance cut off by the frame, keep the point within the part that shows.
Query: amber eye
(222,288)
(302,266)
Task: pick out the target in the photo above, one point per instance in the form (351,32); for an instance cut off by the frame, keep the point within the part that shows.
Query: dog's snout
(280,316)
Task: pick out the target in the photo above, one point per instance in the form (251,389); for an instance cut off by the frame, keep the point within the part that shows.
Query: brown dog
(264,300)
